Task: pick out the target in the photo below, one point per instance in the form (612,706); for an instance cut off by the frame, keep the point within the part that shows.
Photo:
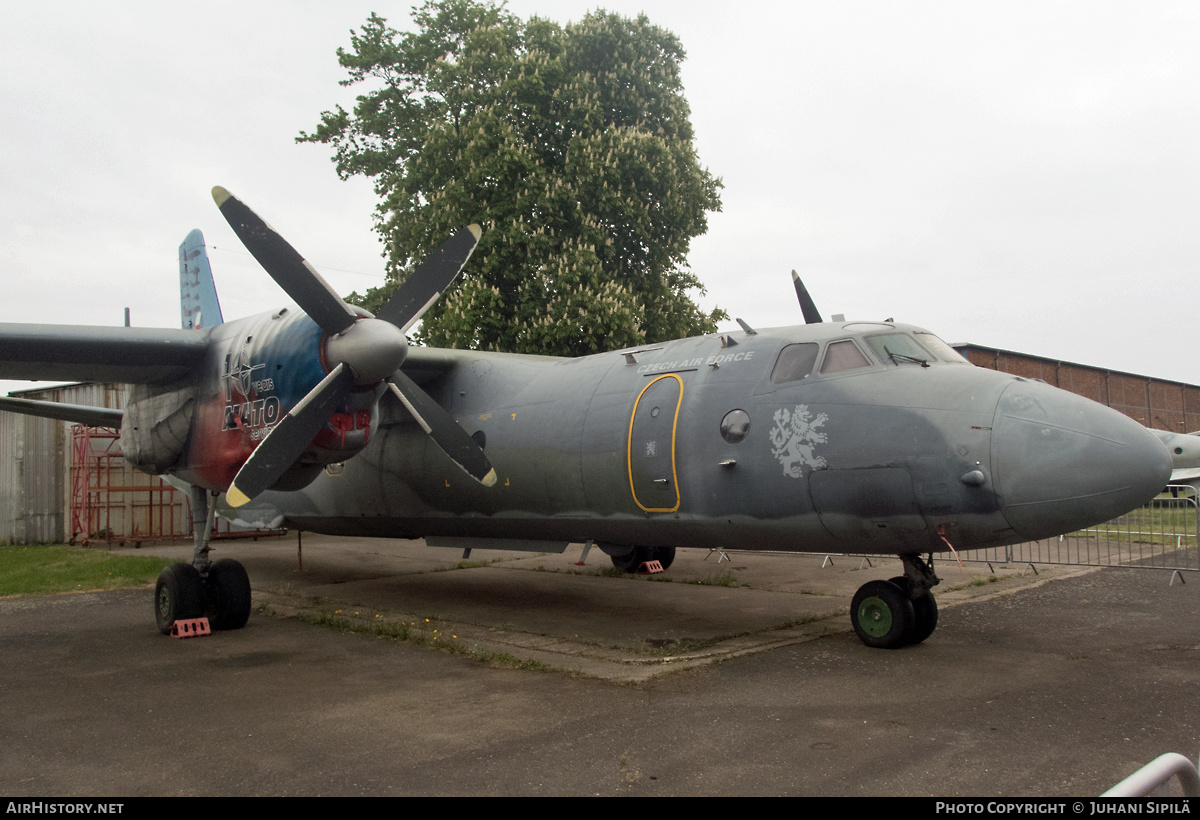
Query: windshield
(899,348)
(944,351)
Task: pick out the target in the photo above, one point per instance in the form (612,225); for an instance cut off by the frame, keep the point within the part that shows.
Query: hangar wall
(35,464)
(36,479)
(1157,403)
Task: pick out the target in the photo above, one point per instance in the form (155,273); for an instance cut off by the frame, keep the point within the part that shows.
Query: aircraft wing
(132,355)
(423,364)
(82,414)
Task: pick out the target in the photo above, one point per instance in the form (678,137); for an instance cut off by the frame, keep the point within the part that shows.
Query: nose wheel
(882,615)
(898,612)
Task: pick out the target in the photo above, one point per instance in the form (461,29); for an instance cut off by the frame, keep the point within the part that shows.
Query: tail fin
(198,302)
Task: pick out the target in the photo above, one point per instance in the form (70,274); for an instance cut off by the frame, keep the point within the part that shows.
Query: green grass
(1161,525)
(462,565)
(49,568)
(720,579)
(420,632)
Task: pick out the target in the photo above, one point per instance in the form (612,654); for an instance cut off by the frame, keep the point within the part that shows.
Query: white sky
(1022,175)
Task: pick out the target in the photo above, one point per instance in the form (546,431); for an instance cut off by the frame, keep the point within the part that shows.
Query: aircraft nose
(1062,462)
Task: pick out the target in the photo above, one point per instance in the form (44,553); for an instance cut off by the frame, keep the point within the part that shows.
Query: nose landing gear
(898,612)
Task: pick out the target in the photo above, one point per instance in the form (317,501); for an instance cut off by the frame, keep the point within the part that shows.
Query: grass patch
(610,572)
(50,568)
(670,647)
(420,632)
(467,564)
(721,579)
(1162,522)
(503,660)
(603,572)
(977,581)
(407,631)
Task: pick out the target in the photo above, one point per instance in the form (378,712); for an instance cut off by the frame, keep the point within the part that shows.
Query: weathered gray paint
(893,460)
(897,458)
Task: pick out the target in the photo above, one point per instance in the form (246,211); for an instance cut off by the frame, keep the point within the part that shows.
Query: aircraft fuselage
(811,438)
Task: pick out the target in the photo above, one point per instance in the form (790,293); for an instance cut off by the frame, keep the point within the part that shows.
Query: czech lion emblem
(793,438)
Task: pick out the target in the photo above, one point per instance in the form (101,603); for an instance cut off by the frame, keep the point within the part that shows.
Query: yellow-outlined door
(651,449)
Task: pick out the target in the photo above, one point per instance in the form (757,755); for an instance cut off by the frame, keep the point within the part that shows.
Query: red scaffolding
(114,503)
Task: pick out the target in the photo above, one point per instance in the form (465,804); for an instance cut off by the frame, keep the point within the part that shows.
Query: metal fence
(1160,535)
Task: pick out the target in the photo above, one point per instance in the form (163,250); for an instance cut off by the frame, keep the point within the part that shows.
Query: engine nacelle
(156,427)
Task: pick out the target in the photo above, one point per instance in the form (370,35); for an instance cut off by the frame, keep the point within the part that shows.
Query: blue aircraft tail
(198,302)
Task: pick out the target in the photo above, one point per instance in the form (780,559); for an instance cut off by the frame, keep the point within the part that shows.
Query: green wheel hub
(882,615)
(875,617)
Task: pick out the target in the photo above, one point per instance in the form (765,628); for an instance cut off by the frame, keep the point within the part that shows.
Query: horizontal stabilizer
(78,413)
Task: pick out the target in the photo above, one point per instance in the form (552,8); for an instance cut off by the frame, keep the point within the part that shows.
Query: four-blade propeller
(360,350)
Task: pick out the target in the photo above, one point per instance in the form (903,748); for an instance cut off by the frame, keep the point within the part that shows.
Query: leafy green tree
(571,146)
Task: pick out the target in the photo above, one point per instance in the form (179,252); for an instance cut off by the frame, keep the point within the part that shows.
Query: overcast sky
(1018,175)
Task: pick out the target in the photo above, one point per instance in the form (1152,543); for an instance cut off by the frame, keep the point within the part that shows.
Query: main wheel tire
(882,615)
(664,556)
(630,561)
(925,613)
(178,596)
(228,588)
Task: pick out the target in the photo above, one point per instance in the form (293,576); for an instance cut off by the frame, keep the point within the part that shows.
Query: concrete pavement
(1028,687)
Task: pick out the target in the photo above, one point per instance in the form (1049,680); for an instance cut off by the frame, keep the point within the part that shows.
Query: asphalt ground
(529,675)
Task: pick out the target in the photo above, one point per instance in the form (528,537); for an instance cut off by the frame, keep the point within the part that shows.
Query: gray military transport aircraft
(863,437)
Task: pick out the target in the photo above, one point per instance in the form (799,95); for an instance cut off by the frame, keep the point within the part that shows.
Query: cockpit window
(944,351)
(795,362)
(898,349)
(843,356)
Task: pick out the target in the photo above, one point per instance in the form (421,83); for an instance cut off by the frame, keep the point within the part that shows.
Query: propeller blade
(807,306)
(289,438)
(286,266)
(435,273)
(444,430)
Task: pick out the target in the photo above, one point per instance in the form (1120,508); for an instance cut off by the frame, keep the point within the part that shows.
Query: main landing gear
(220,589)
(631,561)
(898,612)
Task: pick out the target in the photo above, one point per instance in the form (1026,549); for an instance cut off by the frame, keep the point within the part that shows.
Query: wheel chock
(191,628)
(650,568)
